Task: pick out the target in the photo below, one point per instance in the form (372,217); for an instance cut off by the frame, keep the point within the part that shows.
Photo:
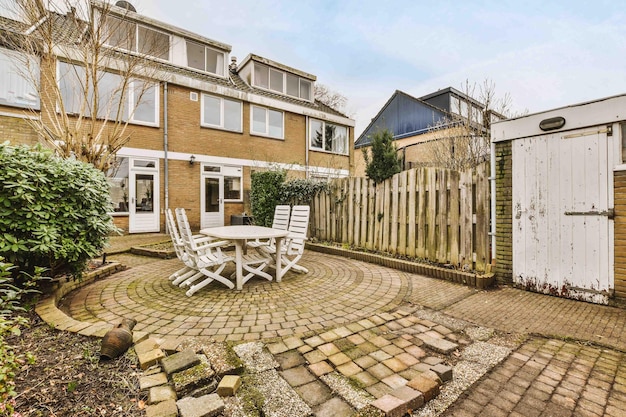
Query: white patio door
(212,199)
(562,214)
(144,196)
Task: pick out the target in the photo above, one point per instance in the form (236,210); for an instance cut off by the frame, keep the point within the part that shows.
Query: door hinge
(610,213)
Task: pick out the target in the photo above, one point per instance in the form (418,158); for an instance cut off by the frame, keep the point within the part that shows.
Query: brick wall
(504,210)
(187,136)
(17,131)
(620,234)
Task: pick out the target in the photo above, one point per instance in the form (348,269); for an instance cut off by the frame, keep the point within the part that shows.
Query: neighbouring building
(417,124)
(203,124)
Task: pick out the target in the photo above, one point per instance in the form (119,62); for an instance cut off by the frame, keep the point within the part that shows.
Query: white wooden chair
(203,256)
(179,247)
(281,222)
(292,247)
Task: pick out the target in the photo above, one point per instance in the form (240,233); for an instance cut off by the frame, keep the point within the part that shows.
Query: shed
(560,200)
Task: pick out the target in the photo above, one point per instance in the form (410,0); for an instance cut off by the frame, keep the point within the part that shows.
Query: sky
(544,54)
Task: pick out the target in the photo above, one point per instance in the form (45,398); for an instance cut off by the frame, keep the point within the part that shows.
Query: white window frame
(233,172)
(16,84)
(267,122)
(136,40)
(283,90)
(323,145)
(221,126)
(130,100)
(205,70)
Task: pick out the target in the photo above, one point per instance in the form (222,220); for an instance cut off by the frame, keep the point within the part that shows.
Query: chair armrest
(214,244)
(292,236)
(201,239)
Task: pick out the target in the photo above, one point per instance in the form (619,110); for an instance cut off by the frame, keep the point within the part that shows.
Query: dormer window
(281,82)
(134,37)
(205,59)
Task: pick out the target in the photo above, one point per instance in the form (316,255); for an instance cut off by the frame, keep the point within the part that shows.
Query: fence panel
(433,214)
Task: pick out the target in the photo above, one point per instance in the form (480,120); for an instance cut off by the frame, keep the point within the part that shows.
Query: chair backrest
(185,229)
(281,217)
(298,226)
(177,241)
(299,221)
(204,254)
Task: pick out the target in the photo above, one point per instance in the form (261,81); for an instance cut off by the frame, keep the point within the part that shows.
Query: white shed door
(562,223)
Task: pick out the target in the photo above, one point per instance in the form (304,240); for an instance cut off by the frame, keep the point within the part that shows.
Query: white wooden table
(239,235)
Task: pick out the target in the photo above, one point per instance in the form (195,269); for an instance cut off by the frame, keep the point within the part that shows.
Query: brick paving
(548,377)
(376,326)
(520,311)
(335,291)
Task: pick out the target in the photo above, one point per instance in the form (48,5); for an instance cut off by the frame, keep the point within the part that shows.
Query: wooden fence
(431,214)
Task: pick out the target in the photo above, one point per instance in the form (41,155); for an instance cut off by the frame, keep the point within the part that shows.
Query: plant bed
(163,250)
(430,269)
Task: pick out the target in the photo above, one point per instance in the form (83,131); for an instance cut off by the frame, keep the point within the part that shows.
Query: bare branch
(88,69)
(332,99)
(463,139)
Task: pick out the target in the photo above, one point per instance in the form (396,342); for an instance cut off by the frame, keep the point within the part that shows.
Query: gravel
(476,360)
(255,357)
(479,333)
(440,318)
(279,399)
(342,387)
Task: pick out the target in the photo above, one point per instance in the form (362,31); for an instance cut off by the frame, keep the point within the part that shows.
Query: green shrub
(269,189)
(10,325)
(300,191)
(54,212)
(265,195)
(383,162)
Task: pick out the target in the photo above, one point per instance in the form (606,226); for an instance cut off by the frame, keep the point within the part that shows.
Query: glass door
(144,197)
(212,196)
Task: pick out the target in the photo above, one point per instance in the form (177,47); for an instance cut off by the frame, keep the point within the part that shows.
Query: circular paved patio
(336,290)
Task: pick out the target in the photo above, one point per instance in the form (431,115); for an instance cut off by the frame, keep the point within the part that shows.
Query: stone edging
(49,312)
(145,250)
(452,275)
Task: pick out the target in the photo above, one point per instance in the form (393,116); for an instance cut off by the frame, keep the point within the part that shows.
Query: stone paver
(179,361)
(367,322)
(206,406)
(313,300)
(519,311)
(548,377)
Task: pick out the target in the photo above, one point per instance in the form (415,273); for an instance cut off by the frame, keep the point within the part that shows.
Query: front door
(562,214)
(144,196)
(212,198)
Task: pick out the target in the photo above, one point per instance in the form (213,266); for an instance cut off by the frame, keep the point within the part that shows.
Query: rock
(179,361)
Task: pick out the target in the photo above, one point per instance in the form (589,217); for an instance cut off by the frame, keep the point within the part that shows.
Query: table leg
(279,266)
(239,263)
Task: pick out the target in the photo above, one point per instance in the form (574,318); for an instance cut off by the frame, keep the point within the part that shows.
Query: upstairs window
(16,86)
(138,104)
(281,82)
(328,137)
(221,113)
(138,38)
(267,122)
(205,59)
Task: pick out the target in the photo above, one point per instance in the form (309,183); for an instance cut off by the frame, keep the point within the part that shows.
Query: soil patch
(68,379)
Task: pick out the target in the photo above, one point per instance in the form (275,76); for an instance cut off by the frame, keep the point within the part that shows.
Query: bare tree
(463,139)
(332,99)
(92,76)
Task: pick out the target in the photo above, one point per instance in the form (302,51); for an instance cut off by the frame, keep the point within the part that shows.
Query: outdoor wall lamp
(552,123)
(192,159)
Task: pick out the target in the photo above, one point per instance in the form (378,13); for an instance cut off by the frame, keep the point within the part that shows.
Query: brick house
(418,122)
(203,125)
